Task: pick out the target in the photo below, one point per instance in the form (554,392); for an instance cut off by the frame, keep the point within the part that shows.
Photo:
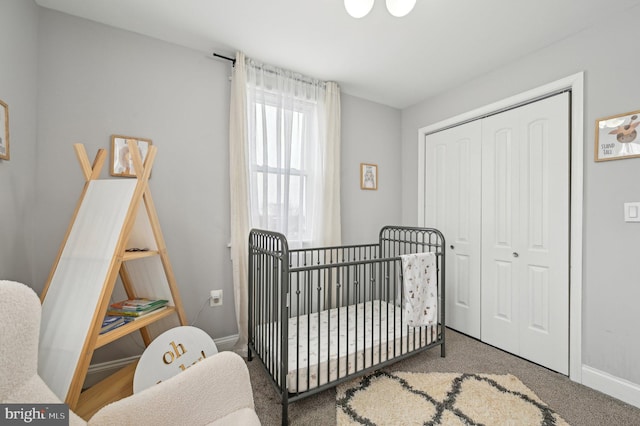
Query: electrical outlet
(215,298)
(632,212)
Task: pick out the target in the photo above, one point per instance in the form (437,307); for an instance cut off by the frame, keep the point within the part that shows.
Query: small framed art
(121,161)
(4,131)
(616,137)
(368,176)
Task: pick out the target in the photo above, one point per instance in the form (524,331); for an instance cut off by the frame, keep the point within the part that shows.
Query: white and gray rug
(404,398)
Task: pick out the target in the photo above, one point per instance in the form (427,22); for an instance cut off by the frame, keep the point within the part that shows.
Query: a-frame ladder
(92,256)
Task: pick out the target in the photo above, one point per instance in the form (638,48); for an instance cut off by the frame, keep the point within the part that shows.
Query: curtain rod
(233,61)
(302,80)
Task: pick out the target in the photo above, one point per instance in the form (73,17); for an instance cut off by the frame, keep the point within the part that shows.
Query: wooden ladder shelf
(111,216)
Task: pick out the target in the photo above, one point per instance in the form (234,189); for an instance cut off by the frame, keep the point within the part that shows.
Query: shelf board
(132,326)
(113,388)
(133,255)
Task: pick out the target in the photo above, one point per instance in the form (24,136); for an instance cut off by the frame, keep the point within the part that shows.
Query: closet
(499,189)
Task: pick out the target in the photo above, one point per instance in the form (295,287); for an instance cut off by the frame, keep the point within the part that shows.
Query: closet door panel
(463,230)
(525,231)
(500,289)
(453,205)
(544,207)
(436,190)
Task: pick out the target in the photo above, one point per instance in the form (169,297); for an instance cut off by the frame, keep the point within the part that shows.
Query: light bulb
(400,8)
(358,8)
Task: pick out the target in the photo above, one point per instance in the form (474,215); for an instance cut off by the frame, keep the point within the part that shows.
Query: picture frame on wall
(616,137)
(4,131)
(121,161)
(368,176)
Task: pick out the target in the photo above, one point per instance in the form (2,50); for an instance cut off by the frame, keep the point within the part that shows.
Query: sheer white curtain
(331,224)
(239,187)
(286,175)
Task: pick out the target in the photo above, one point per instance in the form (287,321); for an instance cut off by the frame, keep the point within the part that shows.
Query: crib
(320,316)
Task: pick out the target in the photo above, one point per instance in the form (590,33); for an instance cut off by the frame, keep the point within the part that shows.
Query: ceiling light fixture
(360,8)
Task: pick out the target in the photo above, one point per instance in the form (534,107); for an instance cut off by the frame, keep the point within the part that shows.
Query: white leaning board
(76,286)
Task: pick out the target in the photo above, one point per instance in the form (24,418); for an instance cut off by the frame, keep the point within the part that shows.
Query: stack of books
(111,322)
(135,308)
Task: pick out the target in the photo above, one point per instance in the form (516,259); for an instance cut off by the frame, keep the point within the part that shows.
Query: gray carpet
(577,404)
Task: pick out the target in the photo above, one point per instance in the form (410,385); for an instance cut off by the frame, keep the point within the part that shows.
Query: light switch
(632,212)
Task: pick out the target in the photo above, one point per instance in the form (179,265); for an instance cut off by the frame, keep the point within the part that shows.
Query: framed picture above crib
(4,131)
(121,161)
(368,176)
(617,137)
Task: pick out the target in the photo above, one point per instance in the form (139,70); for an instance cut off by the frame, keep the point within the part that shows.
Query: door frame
(574,83)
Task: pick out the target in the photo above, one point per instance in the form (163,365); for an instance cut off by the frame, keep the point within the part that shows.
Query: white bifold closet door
(525,231)
(498,188)
(452,204)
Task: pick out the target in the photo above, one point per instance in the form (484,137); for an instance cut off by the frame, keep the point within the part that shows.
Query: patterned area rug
(402,398)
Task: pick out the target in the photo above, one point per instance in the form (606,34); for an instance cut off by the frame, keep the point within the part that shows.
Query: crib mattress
(332,344)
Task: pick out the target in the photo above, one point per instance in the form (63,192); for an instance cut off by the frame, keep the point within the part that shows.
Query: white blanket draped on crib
(420,295)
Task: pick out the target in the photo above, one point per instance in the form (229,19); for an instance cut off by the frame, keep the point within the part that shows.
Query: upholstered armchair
(214,391)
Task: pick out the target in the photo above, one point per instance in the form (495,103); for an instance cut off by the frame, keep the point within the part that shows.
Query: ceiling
(393,61)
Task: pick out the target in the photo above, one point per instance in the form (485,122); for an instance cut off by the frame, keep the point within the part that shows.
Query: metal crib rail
(312,284)
(267,283)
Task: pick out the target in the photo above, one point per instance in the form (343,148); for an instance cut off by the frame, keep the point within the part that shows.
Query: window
(283,162)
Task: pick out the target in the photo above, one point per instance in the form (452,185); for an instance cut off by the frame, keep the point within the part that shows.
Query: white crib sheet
(357,336)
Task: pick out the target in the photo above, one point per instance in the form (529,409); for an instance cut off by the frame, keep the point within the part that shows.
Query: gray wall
(18,77)
(611,246)
(370,134)
(95,81)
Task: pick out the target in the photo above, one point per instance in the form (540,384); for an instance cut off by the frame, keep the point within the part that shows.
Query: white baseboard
(616,387)
(102,370)
(226,343)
